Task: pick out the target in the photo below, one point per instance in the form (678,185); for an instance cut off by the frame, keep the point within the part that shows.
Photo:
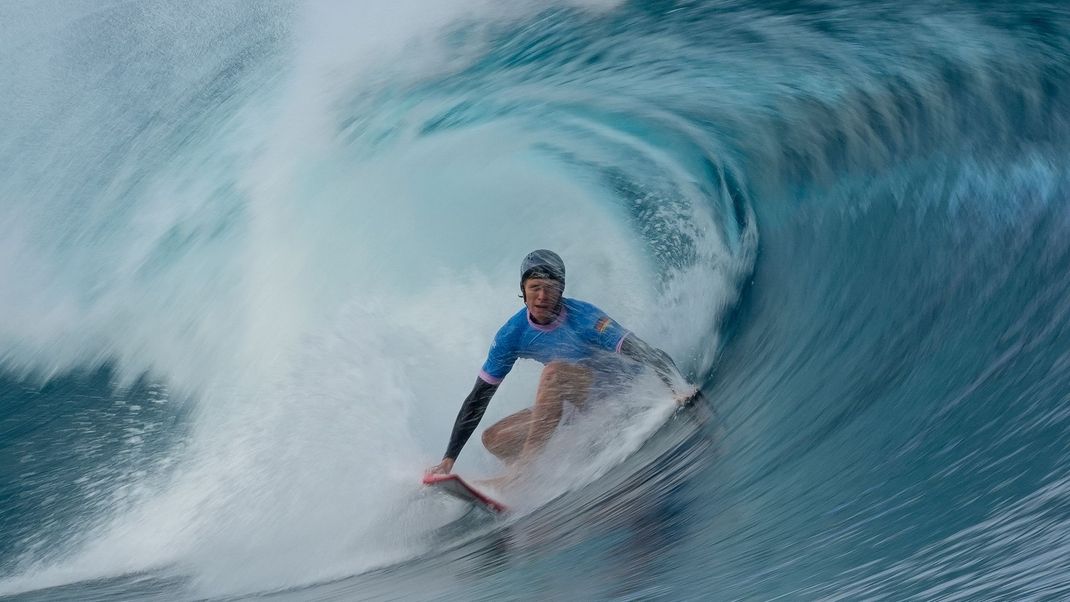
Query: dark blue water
(253,257)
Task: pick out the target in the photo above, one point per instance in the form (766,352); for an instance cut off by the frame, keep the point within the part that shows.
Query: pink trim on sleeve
(620,343)
(490,380)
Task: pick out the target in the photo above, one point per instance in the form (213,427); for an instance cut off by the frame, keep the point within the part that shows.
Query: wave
(303,222)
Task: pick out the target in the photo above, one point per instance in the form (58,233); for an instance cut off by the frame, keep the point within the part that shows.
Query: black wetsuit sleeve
(468,418)
(640,351)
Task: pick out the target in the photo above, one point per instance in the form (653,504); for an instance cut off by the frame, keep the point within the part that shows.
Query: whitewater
(253,256)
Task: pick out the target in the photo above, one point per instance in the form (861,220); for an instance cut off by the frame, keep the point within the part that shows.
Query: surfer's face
(542,297)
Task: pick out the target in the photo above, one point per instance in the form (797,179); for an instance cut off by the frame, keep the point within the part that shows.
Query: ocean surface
(252,257)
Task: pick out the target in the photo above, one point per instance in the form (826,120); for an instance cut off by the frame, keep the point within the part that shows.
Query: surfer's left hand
(687,397)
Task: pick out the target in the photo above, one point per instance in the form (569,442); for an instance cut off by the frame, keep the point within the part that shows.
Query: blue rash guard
(578,333)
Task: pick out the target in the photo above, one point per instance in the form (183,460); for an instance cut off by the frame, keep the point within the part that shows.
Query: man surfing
(572,339)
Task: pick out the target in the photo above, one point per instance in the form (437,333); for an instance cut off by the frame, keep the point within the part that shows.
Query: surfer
(572,339)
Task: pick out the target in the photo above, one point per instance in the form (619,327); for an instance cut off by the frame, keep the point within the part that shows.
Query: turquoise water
(253,258)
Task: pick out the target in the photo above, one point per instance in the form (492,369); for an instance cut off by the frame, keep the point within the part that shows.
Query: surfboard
(454,485)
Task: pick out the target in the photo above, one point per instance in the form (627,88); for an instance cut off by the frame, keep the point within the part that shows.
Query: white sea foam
(328,313)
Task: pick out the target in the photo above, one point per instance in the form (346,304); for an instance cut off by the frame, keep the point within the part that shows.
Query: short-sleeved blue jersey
(579,332)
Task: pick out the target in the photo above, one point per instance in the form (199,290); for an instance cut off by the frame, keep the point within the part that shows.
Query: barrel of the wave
(582,350)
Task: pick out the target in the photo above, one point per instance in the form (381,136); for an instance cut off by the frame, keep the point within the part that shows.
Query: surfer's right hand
(443,467)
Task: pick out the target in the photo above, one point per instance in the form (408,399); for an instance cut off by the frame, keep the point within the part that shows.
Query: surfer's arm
(468,418)
(659,361)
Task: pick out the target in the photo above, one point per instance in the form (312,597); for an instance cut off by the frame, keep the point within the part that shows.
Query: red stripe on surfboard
(432,479)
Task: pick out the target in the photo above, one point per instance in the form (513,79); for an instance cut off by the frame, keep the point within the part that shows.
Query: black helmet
(542,264)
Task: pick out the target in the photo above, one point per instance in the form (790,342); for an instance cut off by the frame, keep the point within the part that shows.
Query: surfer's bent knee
(552,372)
(557,372)
(566,379)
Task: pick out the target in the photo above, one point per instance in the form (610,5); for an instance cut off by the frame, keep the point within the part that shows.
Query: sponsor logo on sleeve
(603,324)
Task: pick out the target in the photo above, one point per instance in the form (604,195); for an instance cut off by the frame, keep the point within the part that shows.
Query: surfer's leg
(560,382)
(506,437)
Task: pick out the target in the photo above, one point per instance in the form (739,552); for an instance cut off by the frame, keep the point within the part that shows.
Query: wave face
(253,257)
